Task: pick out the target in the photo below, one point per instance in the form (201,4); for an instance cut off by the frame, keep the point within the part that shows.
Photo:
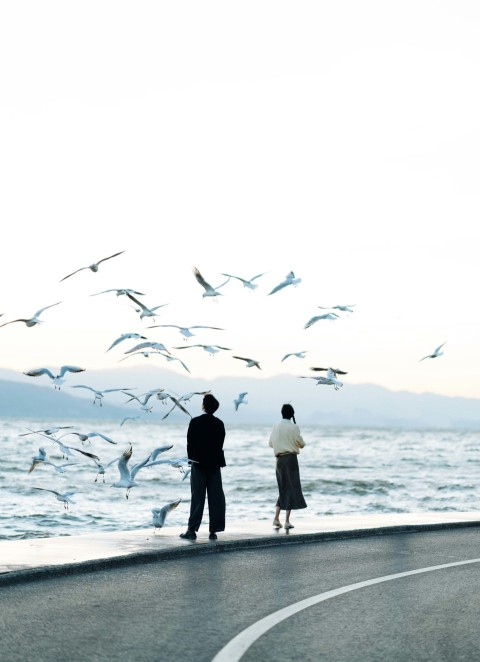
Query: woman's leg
(287,516)
(277,512)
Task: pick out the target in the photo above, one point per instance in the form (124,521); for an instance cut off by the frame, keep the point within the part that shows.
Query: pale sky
(338,140)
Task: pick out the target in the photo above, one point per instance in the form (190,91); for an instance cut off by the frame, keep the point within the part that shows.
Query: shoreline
(36,558)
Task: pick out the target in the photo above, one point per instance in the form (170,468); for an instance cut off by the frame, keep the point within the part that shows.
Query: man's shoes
(277,524)
(212,536)
(189,535)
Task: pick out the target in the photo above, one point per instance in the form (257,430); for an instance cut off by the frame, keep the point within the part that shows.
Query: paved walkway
(26,559)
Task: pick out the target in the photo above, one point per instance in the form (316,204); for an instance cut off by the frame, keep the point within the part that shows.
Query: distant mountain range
(363,405)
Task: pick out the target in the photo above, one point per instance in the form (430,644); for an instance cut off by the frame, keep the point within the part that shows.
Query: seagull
(331,372)
(176,404)
(211,349)
(63,498)
(159,514)
(102,467)
(126,336)
(93,267)
(143,310)
(169,357)
(119,293)
(247,283)
(127,475)
(437,352)
(240,400)
(99,395)
(37,459)
(250,363)
(329,380)
(146,396)
(289,280)
(177,463)
(185,330)
(346,309)
(89,435)
(57,379)
(188,396)
(47,431)
(130,418)
(316,318)
(59,468)
(66,450)
(209,290)
(299,355)
(160,347)
(32,321)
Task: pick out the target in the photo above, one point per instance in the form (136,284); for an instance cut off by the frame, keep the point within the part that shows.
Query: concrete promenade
(28,559)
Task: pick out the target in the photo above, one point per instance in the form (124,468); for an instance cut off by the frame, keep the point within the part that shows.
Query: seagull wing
(73,273)
(45,308)
(43,489)
(99,434)
(201,280)
(439,348)
(69,368)
(130,296)
(109,257)
(280,286)
(87,387)
(36,372)
(199,326)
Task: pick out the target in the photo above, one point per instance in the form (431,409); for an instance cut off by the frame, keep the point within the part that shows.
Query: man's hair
(288,412)
(210,403)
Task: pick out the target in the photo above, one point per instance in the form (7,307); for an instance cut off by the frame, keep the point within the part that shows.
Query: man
(205,437)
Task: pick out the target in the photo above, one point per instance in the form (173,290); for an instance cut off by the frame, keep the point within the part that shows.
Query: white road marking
(238,646)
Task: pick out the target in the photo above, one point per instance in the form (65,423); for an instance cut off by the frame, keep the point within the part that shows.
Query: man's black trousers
(207,482)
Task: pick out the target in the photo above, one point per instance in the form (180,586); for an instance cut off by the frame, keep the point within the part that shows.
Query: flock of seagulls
(127,473)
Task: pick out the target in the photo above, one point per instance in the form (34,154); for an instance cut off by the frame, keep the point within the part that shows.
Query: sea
(343,471)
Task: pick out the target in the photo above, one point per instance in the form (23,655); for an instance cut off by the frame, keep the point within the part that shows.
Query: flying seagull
(160,347)
(99,395)
(250,363)
(185,330)
(37,459)
(289,280)
(89,435)
(47,431)
(127,475)
(126,336)
(159,514)
(240,400)
(210,349)
(57,380)
(299,355)
(93,267)
(32,321)
(329,380)
(330,371)
(209,290)
(437,352)
(144,310)
(119,292)
(345,309)
(246,283)
(130,418)
(316,318)
(62,497)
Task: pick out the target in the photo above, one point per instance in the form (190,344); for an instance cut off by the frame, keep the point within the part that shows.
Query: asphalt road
(188,609)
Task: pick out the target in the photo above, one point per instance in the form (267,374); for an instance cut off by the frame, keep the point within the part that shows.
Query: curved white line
(239,645)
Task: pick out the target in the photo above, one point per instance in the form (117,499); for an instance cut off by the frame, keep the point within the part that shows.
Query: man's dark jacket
(205,437)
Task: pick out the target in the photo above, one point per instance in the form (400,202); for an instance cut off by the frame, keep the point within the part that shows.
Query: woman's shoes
(289,526)
(277,524)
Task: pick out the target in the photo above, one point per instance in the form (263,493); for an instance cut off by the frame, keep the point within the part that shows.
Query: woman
(286,441)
